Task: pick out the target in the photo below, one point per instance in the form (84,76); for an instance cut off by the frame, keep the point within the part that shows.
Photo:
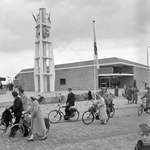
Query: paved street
(119,134)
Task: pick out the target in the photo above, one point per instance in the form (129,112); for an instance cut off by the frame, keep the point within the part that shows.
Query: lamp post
(147,57)
(148,63)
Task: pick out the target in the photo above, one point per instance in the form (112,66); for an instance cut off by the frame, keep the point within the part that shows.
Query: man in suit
(70,102)
(17,109)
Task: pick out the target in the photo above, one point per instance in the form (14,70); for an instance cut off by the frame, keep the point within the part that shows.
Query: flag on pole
(95,48)
(34,17)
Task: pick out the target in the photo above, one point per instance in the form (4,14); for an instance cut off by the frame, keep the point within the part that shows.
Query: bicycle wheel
(112,113)
(18,132)
(74,116)
(54,116)
(3,127)
(140,110)
(87,117)
(47,125)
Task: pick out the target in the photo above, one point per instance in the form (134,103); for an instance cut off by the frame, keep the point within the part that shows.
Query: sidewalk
(7,99)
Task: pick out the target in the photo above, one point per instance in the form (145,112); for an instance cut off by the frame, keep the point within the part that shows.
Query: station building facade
(80,75)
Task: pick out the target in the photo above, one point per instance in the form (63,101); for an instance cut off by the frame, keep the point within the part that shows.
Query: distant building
(80,75)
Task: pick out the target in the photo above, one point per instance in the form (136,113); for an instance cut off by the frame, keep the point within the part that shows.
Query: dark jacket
(89,95)
(129,94)
(70,99)
(140,146)
(147,95)
(17,107)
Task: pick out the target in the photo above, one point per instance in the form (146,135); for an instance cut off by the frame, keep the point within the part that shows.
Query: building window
(62,81)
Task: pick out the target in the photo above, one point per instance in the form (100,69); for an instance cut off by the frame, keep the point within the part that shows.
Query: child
(144,142)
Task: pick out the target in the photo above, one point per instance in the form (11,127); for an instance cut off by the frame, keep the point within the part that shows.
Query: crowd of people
(20,107)
(131,94)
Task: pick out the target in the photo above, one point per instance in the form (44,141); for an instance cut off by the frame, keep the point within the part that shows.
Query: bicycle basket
(92,109)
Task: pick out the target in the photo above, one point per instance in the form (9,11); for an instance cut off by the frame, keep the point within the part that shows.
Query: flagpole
(94,80)
(95,59)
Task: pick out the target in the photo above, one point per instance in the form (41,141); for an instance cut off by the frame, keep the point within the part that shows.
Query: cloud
(122,27)
(71,20)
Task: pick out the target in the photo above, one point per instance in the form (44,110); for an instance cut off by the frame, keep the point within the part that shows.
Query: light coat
(102,109)
(25,102)
(37,120)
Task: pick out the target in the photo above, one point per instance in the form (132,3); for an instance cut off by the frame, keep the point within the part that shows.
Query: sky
(122,30)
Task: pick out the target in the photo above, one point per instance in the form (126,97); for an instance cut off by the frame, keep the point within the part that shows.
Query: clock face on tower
(46,32)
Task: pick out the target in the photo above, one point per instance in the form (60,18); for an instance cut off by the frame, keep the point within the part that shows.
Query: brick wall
(77,78)
(105,70)
(83,79)
(128,81)
(27,81)
(141,75)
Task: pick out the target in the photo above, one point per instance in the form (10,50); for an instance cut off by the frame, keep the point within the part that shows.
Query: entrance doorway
(109,82)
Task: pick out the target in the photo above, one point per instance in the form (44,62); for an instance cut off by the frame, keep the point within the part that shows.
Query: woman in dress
(37,120)
(102,110)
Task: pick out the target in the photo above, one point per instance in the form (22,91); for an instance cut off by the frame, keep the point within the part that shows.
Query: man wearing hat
(16,108)
(144,142)
(70,102)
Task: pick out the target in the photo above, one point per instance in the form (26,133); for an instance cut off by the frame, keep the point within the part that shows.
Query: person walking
(135,94)
(24,99)
(116,91)
(37,119)
(101,106)
(25,104)
(90,98)
(129,95)
(17,109)
(70,102)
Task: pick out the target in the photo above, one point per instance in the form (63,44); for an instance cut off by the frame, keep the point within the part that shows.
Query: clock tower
(44,71)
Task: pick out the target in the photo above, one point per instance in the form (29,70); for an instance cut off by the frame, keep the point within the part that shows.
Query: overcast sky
(122,30)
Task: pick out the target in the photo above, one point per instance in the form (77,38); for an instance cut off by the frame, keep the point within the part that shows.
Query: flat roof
(102,62)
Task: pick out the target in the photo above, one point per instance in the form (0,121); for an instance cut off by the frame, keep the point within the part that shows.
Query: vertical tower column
(44,71)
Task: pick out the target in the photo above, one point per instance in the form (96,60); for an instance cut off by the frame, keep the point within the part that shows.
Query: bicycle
(56,115)
(91,114)
(19,129)
(142,107)
(7,119)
